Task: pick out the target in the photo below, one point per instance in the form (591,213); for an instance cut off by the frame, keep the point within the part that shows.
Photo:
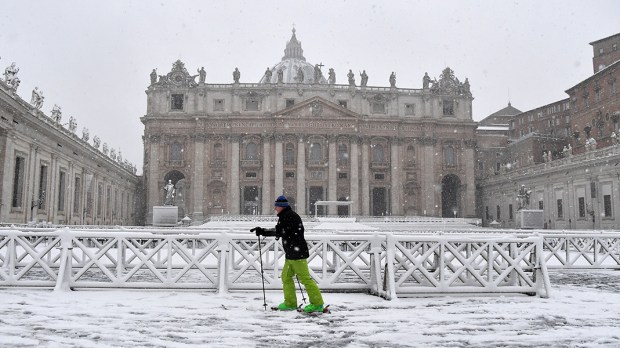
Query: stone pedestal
(166,215)
(530,219)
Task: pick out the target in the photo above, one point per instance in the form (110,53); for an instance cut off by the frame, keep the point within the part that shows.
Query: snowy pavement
(582,312)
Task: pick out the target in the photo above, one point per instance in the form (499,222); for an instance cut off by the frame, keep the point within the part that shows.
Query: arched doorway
(450,196)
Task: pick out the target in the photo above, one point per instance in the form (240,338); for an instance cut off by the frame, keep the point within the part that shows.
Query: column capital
(428,141)
(279,138)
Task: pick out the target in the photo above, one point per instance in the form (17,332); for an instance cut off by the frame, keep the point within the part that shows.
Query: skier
(291,230)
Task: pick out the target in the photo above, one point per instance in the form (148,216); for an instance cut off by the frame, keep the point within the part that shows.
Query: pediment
(319,108)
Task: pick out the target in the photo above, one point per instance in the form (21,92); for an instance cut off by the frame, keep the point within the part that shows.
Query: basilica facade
(231,148)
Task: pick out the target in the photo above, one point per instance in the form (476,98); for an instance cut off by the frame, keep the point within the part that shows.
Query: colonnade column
(302,207)
(428,176)
(154,189)
(365,173)
(469,203)
(332,176)
(354,181)
(279,167)
(267,203)
(51,189)
(233,191)
(396,172)
(30,194)
(198,178)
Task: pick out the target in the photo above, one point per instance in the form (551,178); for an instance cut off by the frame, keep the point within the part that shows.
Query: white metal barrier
(386,265)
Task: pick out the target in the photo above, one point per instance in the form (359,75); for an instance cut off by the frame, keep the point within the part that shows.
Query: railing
(385,265)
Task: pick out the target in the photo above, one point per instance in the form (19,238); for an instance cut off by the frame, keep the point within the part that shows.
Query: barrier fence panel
(582,250)
(465,264)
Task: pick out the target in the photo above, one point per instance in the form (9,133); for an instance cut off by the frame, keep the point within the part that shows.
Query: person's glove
(258,230)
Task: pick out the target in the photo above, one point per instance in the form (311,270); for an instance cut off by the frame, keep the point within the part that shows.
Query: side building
(565,154)
(49,174)
(232,148)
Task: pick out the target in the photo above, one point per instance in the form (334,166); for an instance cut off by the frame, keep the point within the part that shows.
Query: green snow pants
(299,268)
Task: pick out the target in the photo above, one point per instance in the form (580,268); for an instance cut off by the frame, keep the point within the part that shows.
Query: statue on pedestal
(85,134)
(268,75)
(351,77)
(523,197)
(426,81)
(96,142)
(170,192)
(72,124)
(280,75)
(202,75)
(153,77)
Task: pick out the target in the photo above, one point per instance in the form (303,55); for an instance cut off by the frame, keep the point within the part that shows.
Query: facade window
(486,213)
(378,153)
(343,154)
(582,207)
(108,201)
(315,152)
(218,105)
(42,187)
(342,175)
(290,174)
(251,151)
(316,175)
(342,103)
(560,209)
(18,182)
(409,109)
(250,174)
(378,107)
(176,152)
(510,213)
(251,104)
(379,176)
(176,102)
(540,205)
(481,166)
(61,191)
(498,210)
(289,154)
(410,153)
(218,151)
(607,205)
(614,87)
(449,156)
(290,102)
(448,107)
(77,194)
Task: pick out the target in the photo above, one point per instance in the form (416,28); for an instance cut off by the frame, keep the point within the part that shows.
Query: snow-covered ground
(582,312)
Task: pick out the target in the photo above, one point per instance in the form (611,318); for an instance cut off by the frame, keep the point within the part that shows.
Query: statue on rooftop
(85,134)
(154,76)
(351,77)
(364,78)
(317,73)
(392,79)
(202,75)
(268,75)
(236,75)
(96,142)
(105,149)
(426,81)
(280,75)
(331,76)
(37,98)
(56,113)
(72,124)
(300,75)
(10,73)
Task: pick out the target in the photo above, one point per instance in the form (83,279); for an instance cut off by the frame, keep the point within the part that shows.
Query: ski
(325,310)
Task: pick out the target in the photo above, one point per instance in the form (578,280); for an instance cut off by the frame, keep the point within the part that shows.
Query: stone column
(396,175)
(354,179)
(30,185)
(154,181)
(332,176)
(365,174)
(198,182)
(51,189)
(428,176)
(279,167)
(302,206)
(468,207)
(267,201)
(233,182)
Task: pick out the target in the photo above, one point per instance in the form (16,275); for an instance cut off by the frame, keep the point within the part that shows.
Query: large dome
(291,62)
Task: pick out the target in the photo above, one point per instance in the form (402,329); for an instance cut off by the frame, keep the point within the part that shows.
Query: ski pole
(260,254)
(302,292)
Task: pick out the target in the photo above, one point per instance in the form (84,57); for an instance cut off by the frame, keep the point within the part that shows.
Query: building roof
(603,39)
(507,111)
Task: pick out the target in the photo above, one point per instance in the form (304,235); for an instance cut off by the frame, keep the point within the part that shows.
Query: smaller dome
(290,65)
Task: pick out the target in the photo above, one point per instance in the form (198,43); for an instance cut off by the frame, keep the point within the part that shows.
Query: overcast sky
(93,58)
